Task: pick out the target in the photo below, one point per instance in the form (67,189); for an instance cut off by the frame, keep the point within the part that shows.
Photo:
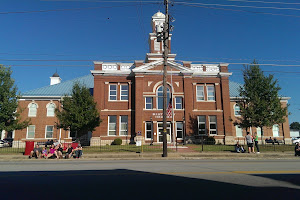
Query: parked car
(3,143)
(296,140)
(10,141)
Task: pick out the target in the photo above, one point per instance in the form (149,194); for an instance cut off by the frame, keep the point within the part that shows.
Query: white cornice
(115,72)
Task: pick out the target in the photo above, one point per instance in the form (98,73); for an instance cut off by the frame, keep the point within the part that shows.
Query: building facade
(130,101)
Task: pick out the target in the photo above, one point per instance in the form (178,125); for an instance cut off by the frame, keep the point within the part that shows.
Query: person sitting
(69,151)
(36,152)
(52,152)
(78,151)
(59,150)
(297,149)
(44,153)
(239,148)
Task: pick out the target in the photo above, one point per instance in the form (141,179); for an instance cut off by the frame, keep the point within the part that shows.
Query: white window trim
(108,126)
(46,131)
(112,95)
(148,103)
(123,90)
(234,109)
(177,130)
(148,130)
(236,129)
(27,132)
(197,93)
(213,123)
(178,103)
(257,128)
(201,123)
(207,86)
(120,125)
(37,106)
(276,125)
(47,106)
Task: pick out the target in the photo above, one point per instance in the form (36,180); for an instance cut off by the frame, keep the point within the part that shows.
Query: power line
(279,65)
(242,59)
(267,2)
(238,6)
(247,11)
(68,9)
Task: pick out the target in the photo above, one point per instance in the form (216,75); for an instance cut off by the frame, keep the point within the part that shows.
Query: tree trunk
(262,134)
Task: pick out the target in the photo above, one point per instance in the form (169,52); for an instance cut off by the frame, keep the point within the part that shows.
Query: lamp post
(151,131)
(183,119)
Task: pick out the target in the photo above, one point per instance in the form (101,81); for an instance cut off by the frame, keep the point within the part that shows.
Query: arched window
(237,110)
(50,109)
(159,94)
(32,109)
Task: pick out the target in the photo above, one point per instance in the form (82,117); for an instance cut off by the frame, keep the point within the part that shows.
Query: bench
(270,141)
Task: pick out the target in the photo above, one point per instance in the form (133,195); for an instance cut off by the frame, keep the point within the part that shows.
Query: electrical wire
(67,9)
(266,2)
(238,6)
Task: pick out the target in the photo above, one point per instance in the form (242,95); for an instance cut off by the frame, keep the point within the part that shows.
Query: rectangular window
(258,131)
(149,103)
(211,93)
(275,130)
(30,131)
(112,125)
(112,92)
(212,125)
(239,131)
(178,103)
(123,125)
(124,92)
(49,131)
(202,125)
(200,93)
(179,130)
(148,130)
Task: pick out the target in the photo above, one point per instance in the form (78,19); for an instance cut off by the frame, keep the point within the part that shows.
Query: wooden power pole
(165,55)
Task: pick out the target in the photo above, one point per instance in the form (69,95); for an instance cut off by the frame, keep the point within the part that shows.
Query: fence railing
(107,146)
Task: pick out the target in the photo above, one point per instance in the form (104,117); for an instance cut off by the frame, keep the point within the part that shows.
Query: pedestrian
(297,149)
(256,142)
(249,140)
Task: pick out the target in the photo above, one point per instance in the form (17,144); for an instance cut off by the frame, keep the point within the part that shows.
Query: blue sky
(36,44)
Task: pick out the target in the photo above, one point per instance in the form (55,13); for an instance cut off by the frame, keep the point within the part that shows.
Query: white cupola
(55,79)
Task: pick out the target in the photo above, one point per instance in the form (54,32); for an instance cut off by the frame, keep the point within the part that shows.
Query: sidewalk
(171,156)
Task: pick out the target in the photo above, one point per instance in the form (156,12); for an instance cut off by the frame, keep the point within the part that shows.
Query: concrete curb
(171,156)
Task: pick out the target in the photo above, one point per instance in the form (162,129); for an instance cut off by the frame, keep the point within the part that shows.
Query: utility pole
(165,55)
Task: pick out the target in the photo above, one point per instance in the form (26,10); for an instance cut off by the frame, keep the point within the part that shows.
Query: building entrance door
(160,130)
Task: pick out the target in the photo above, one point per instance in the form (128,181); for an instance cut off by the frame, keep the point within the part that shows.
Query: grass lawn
(228,148)
(123,148)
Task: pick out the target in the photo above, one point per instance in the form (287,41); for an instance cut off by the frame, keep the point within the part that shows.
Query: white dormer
(55,79)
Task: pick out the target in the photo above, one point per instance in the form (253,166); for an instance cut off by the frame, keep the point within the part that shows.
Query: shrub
(117,141)
(210,140)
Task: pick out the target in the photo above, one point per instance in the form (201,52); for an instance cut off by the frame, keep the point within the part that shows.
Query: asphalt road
(143,179)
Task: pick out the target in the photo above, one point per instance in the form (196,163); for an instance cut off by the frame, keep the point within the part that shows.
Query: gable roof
(60,89)
(151,65)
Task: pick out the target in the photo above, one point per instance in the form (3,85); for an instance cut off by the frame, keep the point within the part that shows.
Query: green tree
(295,125)
(10,118)
(79,112)
(260,105)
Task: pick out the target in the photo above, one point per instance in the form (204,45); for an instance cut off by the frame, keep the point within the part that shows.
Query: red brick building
(129,98)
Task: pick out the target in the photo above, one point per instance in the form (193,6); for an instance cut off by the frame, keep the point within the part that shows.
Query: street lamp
(183,119)
(151,131)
